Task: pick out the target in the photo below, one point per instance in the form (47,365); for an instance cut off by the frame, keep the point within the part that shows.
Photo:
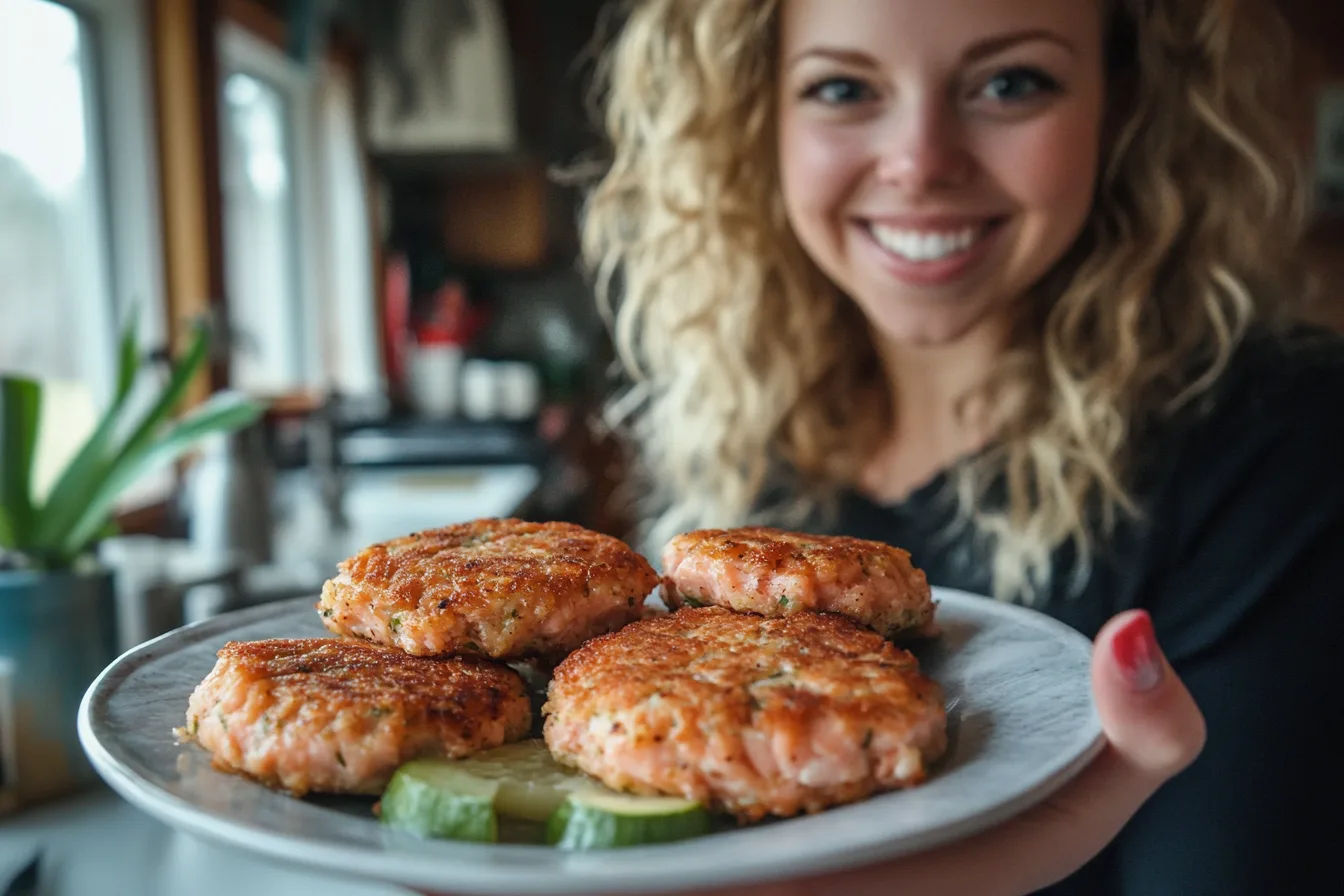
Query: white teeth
(916,246)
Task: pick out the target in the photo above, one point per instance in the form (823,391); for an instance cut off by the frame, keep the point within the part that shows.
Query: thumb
(1149,717)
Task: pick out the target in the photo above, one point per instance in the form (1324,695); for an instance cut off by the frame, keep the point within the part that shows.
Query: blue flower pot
(60,631)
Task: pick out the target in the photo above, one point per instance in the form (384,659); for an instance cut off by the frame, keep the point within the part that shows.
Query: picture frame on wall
(440,78)
(1329,150)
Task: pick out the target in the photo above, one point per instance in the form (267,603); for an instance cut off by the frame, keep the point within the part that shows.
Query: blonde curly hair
(743,359)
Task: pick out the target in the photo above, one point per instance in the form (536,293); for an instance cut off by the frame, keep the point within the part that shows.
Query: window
(297,246)
(261,239)
(55,286)
(79,233)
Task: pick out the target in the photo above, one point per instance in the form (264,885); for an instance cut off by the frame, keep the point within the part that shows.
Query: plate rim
(587,878)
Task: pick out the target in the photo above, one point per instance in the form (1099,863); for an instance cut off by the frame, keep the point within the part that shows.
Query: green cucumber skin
(517,794)
(410,804)
(578,826)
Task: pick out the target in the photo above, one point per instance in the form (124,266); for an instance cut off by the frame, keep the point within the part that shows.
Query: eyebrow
(994,45)
(980,50)
(848,57)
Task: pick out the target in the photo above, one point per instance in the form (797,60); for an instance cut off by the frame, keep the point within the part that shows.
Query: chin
(925,327)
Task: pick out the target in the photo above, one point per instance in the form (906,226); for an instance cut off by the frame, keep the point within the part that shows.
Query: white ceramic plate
(1021,723)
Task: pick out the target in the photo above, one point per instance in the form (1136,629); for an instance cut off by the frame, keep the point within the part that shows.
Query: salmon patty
(776,573)
(749,715)
(506,589)
(337,716)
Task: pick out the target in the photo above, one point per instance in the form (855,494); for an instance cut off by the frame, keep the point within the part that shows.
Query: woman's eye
(839,91)
(1017,84)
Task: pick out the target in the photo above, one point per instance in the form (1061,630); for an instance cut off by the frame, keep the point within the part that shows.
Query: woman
(1009,283)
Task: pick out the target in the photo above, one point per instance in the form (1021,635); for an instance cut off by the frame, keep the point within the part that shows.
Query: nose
(924,148)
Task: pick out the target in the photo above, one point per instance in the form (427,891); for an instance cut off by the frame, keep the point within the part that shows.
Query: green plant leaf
(94,464)
(223,412)
(20,408)
(83,470)
(128,358)
(8,541)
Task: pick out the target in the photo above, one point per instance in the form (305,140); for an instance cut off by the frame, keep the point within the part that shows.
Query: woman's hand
(1154,730)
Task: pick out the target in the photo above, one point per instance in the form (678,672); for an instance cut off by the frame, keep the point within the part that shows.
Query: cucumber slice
(532,785)
(603,820)
(462,799)
(519,793)
(432,798)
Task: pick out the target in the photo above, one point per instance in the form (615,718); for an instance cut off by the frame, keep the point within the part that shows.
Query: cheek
(1050,169)
(820,167)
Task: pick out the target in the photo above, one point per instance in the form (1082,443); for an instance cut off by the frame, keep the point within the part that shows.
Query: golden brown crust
(754,715)
(768,548)
(774,572)
(506,588)
(334,715)
(354,674)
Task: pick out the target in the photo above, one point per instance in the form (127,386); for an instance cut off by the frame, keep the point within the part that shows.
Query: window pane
(261,237)
(55,302)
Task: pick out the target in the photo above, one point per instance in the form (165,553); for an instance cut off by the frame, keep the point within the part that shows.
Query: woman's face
(938,158)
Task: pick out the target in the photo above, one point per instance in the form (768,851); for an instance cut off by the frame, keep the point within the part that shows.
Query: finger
(1149,717)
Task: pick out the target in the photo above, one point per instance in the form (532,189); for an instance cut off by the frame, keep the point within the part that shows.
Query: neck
(931,427)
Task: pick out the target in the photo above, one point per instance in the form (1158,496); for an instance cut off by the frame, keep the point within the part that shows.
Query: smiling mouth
(929,246)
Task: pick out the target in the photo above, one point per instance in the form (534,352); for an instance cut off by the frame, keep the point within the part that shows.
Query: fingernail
(1137,653)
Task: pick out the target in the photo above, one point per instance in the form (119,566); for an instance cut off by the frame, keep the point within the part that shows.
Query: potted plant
(57,604)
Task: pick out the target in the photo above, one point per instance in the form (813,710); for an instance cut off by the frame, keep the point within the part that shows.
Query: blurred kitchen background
(360,198)
(358,195)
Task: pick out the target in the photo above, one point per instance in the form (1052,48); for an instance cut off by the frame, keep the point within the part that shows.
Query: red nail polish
(1137,653)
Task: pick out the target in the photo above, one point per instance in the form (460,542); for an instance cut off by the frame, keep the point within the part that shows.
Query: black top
(1240,561)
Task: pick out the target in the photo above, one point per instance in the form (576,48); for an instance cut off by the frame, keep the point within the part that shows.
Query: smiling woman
(1077,156)
(1011,285)
(936,186)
